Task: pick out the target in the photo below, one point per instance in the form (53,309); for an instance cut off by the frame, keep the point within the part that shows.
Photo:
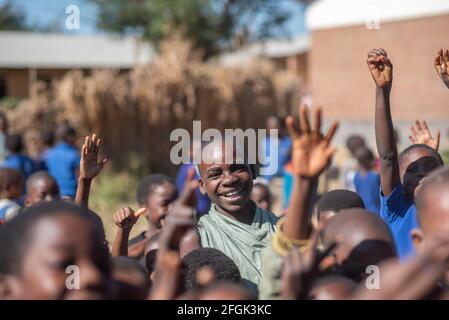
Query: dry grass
(134,112)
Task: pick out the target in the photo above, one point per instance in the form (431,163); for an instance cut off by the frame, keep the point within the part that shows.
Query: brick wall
(340,81)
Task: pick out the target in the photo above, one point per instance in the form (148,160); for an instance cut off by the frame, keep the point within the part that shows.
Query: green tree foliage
(212,25)
(11,18)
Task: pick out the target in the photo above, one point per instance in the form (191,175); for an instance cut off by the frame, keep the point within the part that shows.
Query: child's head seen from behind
(415,163)
(11,183)
(332,202)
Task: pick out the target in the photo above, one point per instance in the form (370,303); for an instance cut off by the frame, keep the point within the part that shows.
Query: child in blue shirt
(15,159)
(63,160)
(400,176)
(11,185)
(367,180)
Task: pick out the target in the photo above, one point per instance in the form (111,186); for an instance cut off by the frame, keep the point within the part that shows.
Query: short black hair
(364,155)
(434,181)
(64,131)
(8,177)
(14,143)
(48,137)
(148,184)
(17,233)
(224,268)
(339,199)
(355,141)
(41,175)
(432,151)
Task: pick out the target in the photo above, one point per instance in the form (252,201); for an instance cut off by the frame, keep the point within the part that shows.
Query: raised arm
(381,70)
(124,219)
(167,280)
(311,154)
(441,65)
(90,167)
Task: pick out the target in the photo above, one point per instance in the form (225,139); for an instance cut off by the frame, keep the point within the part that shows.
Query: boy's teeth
(232,193)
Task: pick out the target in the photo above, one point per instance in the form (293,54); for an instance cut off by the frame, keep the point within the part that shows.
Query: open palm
(90,166)
(420,134)
(311,152)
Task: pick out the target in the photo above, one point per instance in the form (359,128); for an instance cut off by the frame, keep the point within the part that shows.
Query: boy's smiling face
(413,167)
(228,185)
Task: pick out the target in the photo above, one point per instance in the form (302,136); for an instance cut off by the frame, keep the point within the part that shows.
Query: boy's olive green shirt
(241,242)
(270,286)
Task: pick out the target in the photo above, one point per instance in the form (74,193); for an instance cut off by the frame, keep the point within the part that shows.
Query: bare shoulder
(190,242)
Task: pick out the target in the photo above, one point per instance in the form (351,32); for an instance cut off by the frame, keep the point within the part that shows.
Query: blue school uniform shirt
(202,200)
(284,145)
(62,162)
(368,186)
(20,162)
(399,213)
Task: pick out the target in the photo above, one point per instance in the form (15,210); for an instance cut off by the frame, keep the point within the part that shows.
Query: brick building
(27,57)
(341,34)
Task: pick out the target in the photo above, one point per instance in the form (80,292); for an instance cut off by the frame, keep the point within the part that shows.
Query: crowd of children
(211,233)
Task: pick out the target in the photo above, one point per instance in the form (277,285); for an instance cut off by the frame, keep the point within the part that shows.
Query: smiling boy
(234,224)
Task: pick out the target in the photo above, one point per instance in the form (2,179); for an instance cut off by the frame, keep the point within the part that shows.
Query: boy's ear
(201,186)
(253,169)
(417,238)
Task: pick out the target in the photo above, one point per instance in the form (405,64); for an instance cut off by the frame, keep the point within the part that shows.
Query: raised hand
(441,65)
(420,134)
(126,218)
(380,67)
(181,217)
(311,151)
(90,165)
(301,269)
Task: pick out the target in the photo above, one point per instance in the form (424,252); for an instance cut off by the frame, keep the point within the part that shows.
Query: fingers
(126,217)
(140,212)
(291,127)
(414,132)
(437,138)
(187,196)
(438,59)
(317,120)
(92,144)
(84,150)
(330,133)
(304,123)
(424,125)
(418,126)
(412,139)
(330,152)
(103,162)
